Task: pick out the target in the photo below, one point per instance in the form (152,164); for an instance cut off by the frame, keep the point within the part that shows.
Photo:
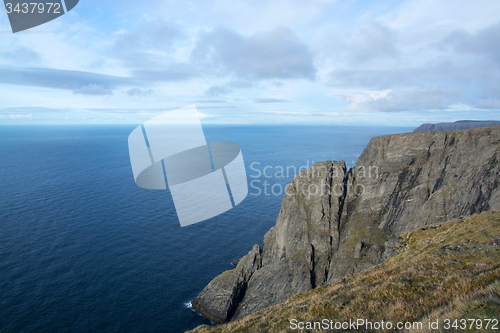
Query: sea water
(83,249)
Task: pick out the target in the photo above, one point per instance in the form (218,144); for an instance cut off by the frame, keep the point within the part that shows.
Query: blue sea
(83,249)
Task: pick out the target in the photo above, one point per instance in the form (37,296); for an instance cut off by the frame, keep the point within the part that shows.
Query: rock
(392,247)
(297,250)
(457,125)
(335,222)
(357,250)
(220,298)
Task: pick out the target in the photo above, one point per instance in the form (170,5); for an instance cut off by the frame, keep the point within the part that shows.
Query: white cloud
(270,100)
(484,43)
(93,89)
(278,53)
(463,73)
(362,101)
(138,92)
(403,100)
(21,55)
(20,116)
(306,114)
(202,115)
(369,42)
(216,90)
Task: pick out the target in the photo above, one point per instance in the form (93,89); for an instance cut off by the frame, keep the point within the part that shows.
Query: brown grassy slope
(434,277)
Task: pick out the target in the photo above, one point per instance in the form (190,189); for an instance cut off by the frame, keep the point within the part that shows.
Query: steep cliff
(444,272)
(335,222)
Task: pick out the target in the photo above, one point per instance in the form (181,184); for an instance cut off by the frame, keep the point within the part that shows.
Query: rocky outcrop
(220,299)
(457,125)
(334,222)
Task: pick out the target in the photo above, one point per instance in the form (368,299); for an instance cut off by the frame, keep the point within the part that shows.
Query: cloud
(202,115)
(148,52)
(61,79)
(372,41)
(138,92)
(270,100)
(216,90)
(240,84)
(464,73)
(166,74)
(289,113)
(410,100)
(21,55)
(405,56)
(158,34)
(26,110)
(178,118)
(93,89)
(146,46)
(390,78)
(490,104)
(210,101)
(433,87)
(391,90)
(485,42)
(87,83)
(17,116)
(305,114)
(217,107)
(275,54)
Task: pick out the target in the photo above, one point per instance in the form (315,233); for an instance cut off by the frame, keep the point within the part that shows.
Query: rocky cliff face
(334,222)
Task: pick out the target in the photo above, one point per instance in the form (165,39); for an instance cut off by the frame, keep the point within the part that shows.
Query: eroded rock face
(335,222)
(220,299)
(297,250)
(416,179)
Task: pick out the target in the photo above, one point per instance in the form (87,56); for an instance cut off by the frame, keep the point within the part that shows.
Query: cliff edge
(335,222)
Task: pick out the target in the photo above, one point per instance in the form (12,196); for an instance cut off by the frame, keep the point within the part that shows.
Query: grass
(436,277)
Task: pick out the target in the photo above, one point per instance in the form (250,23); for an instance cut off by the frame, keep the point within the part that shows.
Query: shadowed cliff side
(335,222)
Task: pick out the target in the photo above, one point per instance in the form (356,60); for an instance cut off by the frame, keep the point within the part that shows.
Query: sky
(390,63)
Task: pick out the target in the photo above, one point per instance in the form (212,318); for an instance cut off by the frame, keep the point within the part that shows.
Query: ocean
(83,249)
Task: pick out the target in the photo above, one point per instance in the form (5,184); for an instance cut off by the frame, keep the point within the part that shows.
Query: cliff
(335,222)
(457,125)
(448,271)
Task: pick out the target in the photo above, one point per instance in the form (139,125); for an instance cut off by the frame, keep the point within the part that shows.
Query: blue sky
(251,62)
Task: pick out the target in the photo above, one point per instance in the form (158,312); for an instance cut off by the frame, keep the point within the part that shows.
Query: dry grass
(434,277)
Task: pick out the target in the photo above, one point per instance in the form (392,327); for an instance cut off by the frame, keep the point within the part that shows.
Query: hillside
(446,271)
